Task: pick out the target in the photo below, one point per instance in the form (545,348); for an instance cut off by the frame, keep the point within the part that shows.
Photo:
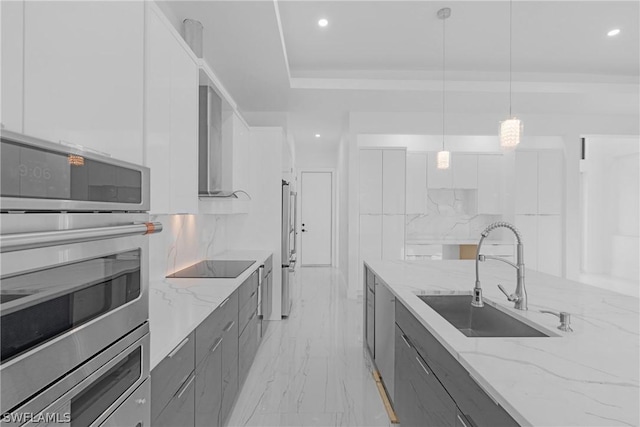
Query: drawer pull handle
(422,366)
(252,294)
(224,302)
(186,386)
(406,340)
(461,420)
(229,326)
(141,401)
(252,316)
(177,349)
(216,345)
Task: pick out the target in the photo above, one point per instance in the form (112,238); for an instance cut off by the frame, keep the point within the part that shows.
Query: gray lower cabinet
(384,331)
(248,343)
(476,407)
(208,391)
(172,386)
(370,297)
(229,350)
(420,399)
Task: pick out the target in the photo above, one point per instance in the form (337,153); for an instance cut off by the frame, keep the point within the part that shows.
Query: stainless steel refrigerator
(288,244)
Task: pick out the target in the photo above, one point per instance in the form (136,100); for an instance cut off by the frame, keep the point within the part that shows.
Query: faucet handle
(509,297)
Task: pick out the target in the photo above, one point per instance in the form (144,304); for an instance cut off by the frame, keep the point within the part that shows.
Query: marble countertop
(589,377)
(178,306)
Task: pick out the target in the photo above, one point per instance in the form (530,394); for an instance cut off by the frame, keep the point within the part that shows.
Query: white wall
(611,207)
(343,203)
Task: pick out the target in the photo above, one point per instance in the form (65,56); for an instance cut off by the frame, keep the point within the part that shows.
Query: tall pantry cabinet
(382,204)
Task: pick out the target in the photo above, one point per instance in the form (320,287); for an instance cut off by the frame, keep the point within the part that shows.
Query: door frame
(334,239)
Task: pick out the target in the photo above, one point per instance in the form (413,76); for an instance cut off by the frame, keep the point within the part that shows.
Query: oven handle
(21,241)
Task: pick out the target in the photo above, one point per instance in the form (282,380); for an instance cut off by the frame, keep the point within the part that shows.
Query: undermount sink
(487,321)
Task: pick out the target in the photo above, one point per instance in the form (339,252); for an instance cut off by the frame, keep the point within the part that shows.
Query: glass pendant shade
(442,160)
(510,133)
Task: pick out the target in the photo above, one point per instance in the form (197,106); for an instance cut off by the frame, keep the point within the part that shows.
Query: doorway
(316,218)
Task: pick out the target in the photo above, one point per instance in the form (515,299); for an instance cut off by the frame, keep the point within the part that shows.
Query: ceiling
(375,56)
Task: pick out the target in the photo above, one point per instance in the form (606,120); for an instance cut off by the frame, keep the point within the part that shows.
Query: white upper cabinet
(84,74)
(12,51)
(550,244)
(393,181)
(465,170)
(550,182)
(370,183)
(538,182)
(526,194)
(489,184)
(416,183)
(171,142)
(438,178)
(528,227)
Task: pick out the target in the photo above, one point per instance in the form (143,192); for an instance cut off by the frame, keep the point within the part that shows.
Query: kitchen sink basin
(487,321)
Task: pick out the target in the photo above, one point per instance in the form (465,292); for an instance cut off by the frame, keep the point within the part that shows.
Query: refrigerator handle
(295,223)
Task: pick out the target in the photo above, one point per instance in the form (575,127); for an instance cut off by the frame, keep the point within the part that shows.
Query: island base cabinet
(476,405)
(420,400)
(209,388)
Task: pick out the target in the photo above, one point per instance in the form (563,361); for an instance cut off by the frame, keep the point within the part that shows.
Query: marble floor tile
(312,369)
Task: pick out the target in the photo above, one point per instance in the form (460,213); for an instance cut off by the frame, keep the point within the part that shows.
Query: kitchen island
(588,377)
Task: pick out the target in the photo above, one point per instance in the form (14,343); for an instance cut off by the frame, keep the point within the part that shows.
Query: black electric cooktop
(214,269)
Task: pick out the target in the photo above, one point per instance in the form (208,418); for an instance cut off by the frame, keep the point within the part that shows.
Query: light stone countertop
(178,306)
(589,377)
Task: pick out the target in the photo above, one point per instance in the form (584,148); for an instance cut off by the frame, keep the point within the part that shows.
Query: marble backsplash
(451,214)
(184,240)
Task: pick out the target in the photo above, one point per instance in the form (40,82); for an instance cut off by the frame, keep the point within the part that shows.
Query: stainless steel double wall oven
(73,286)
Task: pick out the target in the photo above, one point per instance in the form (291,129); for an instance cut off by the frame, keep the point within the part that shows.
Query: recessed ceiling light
(614,32)
(323,23)
(317,135)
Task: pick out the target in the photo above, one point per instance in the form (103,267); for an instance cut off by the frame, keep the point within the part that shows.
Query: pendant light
(443,159)
(510,129)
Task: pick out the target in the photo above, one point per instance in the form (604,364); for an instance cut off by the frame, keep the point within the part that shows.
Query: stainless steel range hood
(210,159)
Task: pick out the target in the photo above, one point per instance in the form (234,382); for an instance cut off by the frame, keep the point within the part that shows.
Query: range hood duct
(210,159)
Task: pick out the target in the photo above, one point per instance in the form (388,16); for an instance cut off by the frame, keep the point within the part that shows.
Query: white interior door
(315,218)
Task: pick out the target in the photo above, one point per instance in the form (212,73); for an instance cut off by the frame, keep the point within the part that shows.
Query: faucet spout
(520,295)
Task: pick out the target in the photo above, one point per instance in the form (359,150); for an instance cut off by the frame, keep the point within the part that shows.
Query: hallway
(310,369)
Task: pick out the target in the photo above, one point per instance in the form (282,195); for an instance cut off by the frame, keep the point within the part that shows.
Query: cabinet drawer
(208,390)
(229,348)
(247,289)
(248,347)
(171,373)
(212,327)
(180,409)
(473,401)
(268,265)
(247,310)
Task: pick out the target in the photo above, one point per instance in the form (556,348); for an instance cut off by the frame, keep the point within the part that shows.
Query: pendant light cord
(443,78)
(510,55)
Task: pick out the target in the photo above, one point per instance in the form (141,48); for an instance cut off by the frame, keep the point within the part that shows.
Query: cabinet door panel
(180,410)
(384,328)
(393,181)
(229,368)
(416,185)
(465,171)
(84,74)
(526,195)
(184,131)
(550,182)
(370,183)
(438,178)
(393,237)
(12,72)
(208,392)
(370,301)
(489,184)
(370,245)
(550,244)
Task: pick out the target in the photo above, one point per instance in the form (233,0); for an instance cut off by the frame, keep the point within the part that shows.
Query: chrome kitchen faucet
(520,295)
